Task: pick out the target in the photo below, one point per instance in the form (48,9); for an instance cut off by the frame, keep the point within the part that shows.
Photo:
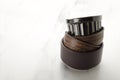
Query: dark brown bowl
(81,60)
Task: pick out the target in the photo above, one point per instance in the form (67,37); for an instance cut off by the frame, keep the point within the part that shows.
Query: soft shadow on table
(74,74)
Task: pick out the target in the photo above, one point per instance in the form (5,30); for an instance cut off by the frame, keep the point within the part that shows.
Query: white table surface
(30,34)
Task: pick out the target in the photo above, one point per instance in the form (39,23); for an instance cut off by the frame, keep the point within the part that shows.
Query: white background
(30,34)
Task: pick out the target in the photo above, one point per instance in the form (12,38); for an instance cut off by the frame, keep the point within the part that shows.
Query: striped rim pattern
(84,26)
